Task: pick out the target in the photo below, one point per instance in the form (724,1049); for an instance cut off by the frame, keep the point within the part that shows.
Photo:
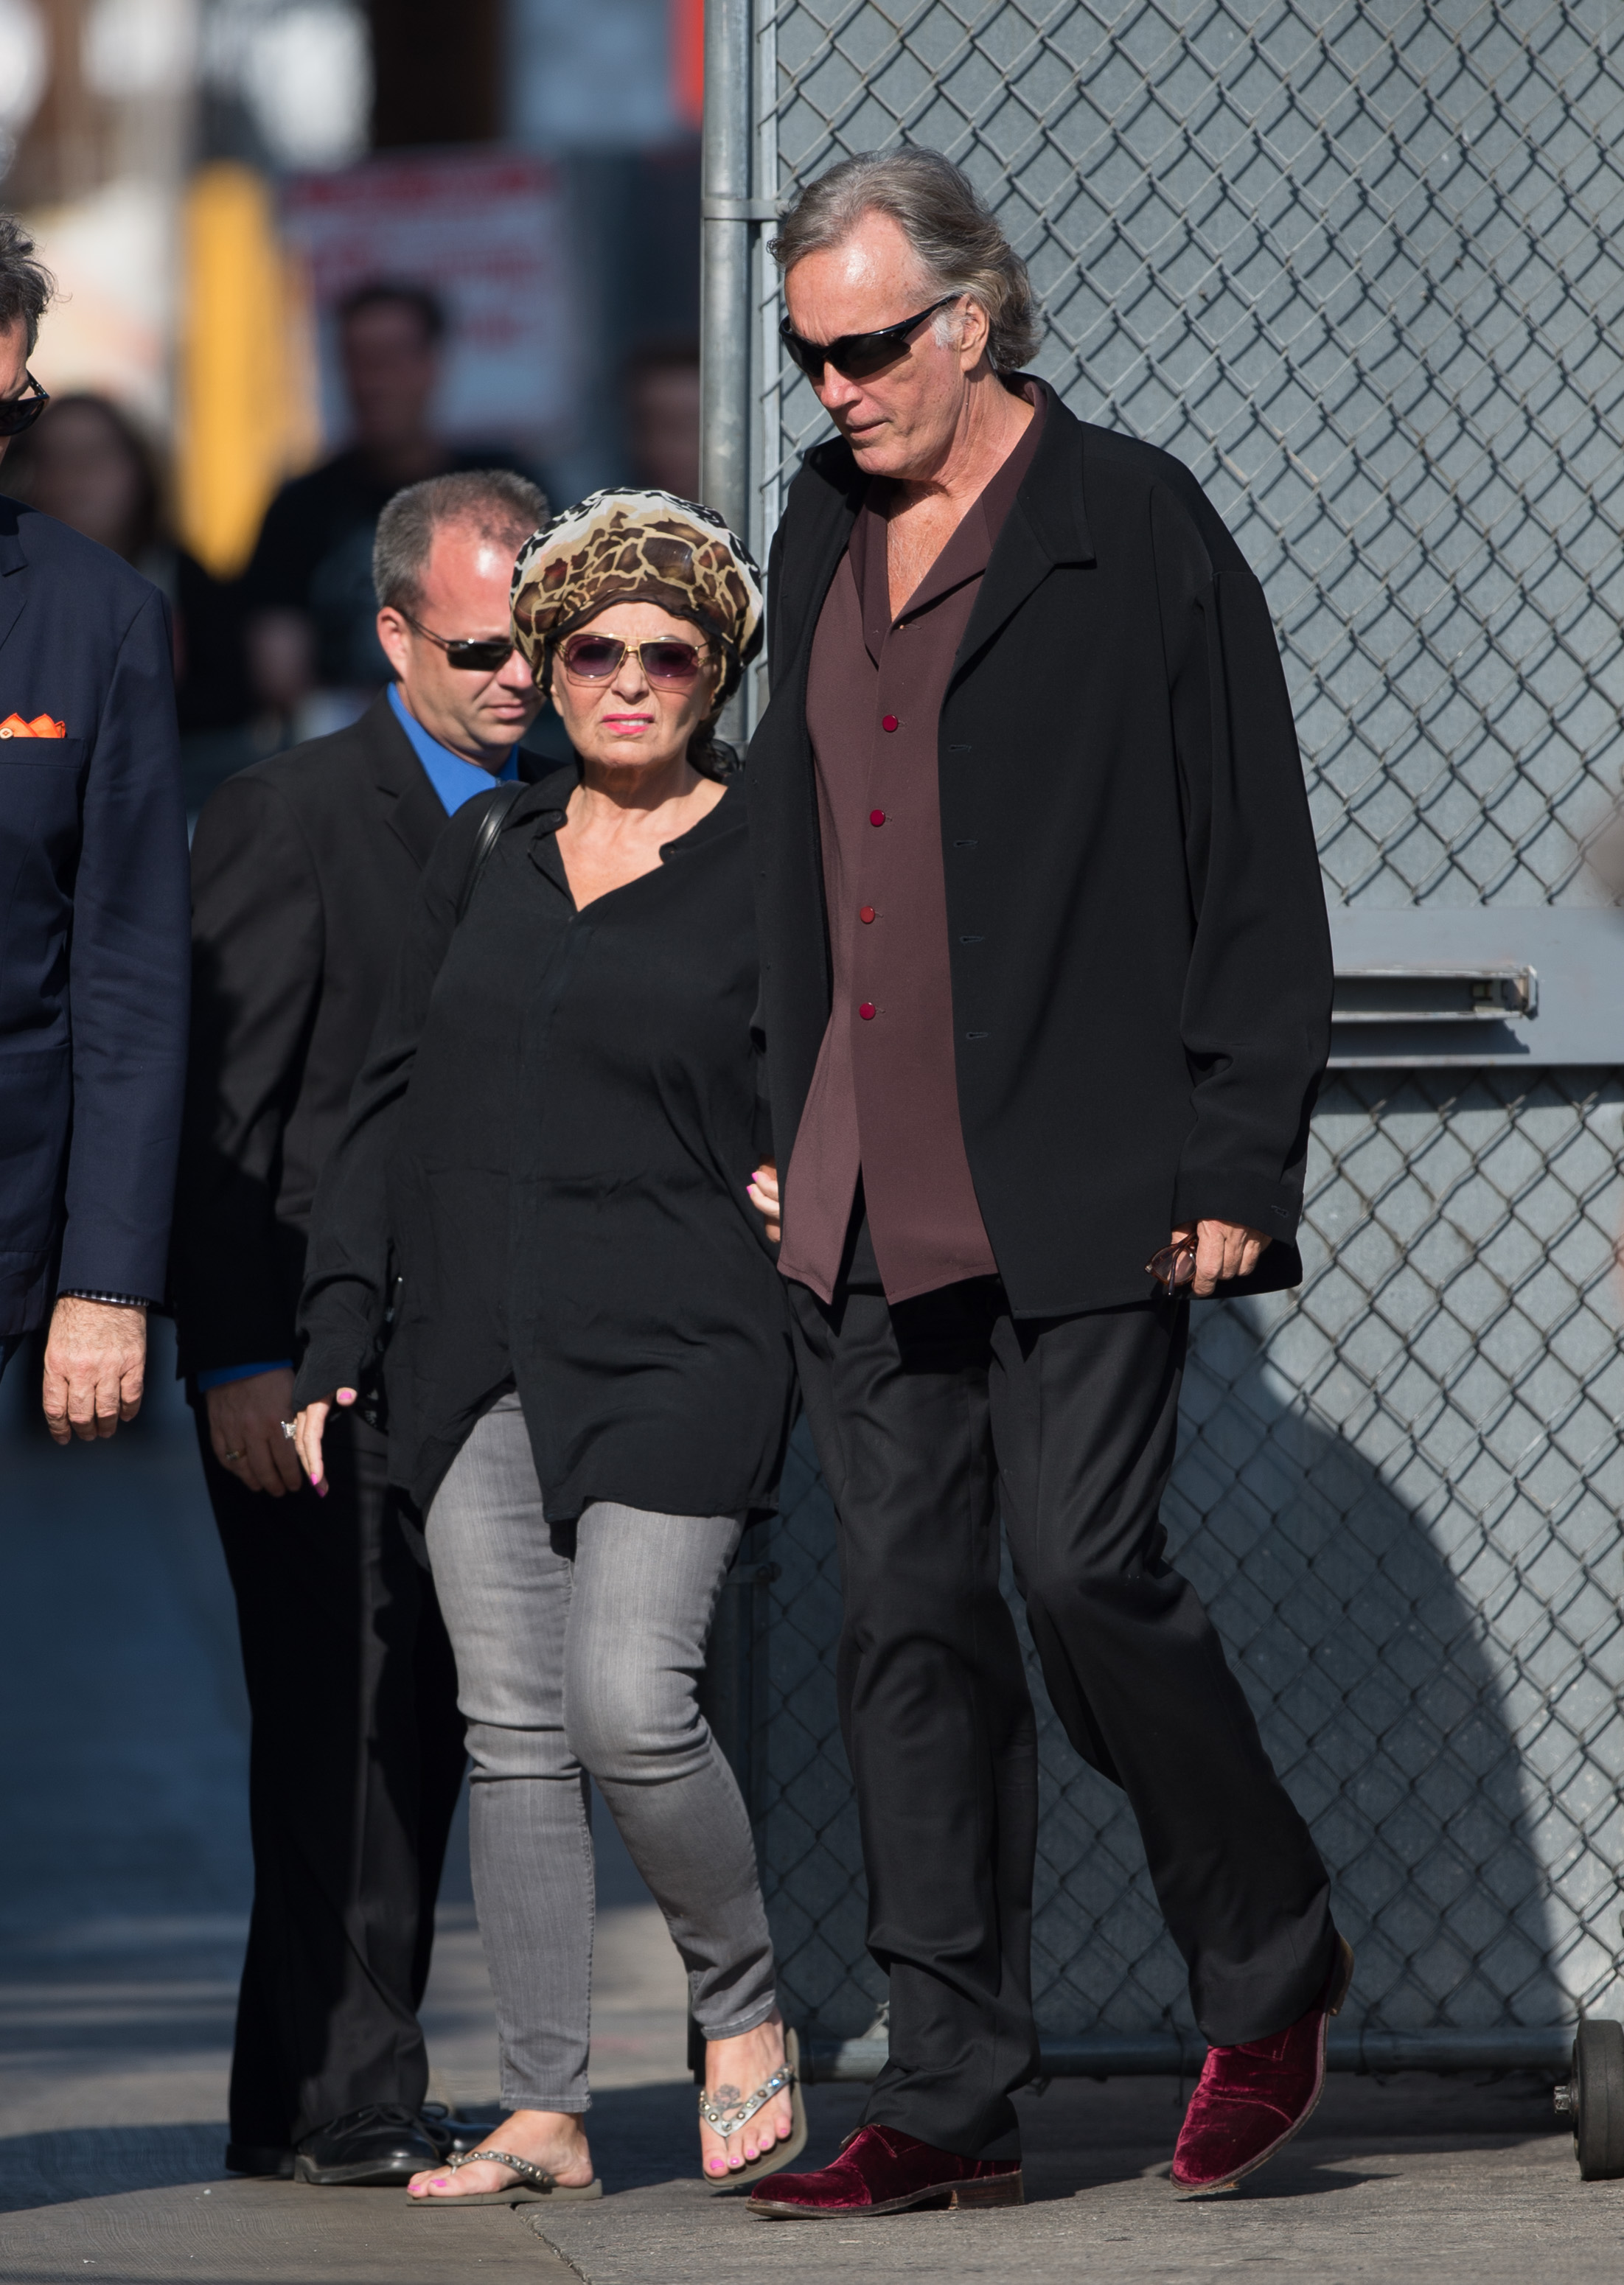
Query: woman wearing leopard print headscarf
(540,1204)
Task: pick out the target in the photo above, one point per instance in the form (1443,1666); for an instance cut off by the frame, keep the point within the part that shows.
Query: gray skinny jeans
(578,1658)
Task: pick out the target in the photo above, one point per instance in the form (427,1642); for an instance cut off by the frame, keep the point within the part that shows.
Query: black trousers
(930,1419)
(355,1762)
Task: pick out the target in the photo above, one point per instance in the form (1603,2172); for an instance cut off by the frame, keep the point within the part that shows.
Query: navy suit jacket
(94,923)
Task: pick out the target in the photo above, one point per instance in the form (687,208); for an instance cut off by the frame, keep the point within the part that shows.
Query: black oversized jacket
(1140,956)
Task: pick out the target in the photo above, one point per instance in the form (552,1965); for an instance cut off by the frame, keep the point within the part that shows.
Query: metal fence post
(725,241)
(730,1684)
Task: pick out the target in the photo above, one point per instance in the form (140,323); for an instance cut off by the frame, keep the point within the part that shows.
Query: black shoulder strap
(489,833)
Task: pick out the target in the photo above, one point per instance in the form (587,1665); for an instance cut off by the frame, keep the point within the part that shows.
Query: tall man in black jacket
(1045,992)
(304,873)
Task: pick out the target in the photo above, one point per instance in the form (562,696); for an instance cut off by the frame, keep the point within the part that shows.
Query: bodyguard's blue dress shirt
(455,781)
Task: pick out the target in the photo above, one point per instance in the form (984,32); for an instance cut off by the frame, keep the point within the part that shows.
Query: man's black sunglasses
(480,657)
(856,356)
(19,413)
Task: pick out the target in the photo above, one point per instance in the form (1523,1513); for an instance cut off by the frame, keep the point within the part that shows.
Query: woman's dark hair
(710,756)
(148,519)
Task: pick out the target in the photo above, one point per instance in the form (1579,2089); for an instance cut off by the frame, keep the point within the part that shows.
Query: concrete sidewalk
(1427,2180)
(123,1890)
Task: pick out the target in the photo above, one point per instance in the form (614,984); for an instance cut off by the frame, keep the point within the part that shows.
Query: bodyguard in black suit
(304,871)
(92,931)
(1046,994)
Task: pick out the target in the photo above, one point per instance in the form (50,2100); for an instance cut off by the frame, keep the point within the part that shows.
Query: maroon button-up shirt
(884,1099)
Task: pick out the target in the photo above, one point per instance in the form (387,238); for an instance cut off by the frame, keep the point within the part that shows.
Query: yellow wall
(248,409)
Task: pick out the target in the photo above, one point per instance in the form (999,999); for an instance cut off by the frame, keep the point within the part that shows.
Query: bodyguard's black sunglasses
(479,658)
(19,413)
(856,356)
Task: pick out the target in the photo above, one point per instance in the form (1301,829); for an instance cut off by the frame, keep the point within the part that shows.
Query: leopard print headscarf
(645,546)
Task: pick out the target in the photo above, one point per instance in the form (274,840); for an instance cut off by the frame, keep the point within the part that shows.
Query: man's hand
(763,1192)
(1223,1249)
(95,1368)
(312,1422)
(245,1427)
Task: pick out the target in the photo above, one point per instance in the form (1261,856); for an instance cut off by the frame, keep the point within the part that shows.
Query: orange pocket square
(42,727)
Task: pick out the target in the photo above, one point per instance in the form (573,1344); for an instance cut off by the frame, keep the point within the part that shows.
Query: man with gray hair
(92,930)
(304,873)
(1046,993)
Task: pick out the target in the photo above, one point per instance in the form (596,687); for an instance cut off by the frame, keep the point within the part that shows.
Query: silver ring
(290,1430)
(234,1456)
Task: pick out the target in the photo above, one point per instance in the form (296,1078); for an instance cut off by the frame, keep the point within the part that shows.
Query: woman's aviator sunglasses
(667,661)
(19,413)
(856,355)
(587,659)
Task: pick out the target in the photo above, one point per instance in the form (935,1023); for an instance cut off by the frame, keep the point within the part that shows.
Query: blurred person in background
(660,385)
(92,930)
(314,655)
(86,463)
(304,870)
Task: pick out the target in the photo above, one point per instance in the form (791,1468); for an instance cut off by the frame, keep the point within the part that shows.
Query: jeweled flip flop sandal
(733,2120)
(534,2185)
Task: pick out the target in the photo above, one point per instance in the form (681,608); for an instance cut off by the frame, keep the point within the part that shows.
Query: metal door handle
(1434,995)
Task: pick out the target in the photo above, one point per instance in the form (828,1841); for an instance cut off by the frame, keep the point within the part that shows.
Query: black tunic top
(549,1147)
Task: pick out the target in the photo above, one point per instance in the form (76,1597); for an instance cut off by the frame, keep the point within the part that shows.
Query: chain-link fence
(1358,268)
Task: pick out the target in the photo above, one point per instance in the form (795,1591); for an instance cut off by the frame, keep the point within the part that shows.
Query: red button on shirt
(866,1011)
(888,722)
(867,915)
(876,817)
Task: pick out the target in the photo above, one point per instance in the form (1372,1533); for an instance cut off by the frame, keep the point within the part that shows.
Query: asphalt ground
(123,1894)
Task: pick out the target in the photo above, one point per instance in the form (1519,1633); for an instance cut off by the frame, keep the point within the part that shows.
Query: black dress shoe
(248,2158)
(380,2147)
(450,2134)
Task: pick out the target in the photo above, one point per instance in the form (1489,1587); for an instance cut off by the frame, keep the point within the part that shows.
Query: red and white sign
(486,230)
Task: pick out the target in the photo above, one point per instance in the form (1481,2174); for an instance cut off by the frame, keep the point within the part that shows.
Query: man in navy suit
(94,931)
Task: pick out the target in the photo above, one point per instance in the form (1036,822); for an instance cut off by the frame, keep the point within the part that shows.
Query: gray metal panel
(1576,952)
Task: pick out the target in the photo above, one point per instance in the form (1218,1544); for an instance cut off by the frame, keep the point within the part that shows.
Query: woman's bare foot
(733,2070)
(553,2140)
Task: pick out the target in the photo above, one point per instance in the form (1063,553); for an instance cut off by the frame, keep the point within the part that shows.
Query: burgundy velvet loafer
(882,2171)
(1250,2100)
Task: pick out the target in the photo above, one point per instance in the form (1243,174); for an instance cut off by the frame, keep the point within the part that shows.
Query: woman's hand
(307,1437)
(764,1197)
